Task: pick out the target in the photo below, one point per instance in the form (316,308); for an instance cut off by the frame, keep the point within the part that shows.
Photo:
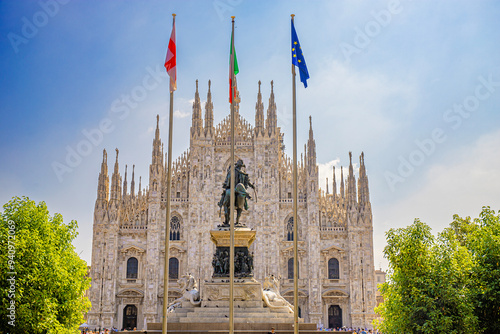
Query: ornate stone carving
(271,295)
(339,217)
(243,262)
(188,285)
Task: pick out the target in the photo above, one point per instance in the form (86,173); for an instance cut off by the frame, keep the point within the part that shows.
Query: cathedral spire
(132,183)
(116,181)
(351,183)
(157,157)
(125,183)
(327,186)
(197,123)
(139,194)
(342,182)
(271,121)
(259,114)
(103,184)
(156,167)
(311,149)
(363,191)
(334,187)
(209,113)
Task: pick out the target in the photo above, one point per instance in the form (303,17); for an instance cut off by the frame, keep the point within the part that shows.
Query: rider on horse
(242,183)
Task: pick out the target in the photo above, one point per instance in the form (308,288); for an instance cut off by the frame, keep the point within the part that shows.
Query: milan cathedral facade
(336,270)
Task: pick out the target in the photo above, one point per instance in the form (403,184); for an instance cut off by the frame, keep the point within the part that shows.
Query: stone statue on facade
(272,297)
(242,182)
(190,293)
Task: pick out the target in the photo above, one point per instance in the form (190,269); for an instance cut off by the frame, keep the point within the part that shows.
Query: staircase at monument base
(223,328)
(218,312)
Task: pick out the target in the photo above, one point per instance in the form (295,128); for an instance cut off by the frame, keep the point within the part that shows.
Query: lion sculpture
(190,292)
(271,295)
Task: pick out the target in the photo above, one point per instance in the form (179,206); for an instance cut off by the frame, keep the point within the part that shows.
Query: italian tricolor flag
(233,68)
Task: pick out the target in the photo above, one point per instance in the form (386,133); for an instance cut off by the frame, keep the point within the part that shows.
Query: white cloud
(462,185)
(372,103)
(181,114)
(326,171)
(162,122)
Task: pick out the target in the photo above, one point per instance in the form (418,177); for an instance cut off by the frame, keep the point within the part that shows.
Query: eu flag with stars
(298,58)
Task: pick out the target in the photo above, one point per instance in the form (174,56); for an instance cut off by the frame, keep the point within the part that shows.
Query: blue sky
(413,84)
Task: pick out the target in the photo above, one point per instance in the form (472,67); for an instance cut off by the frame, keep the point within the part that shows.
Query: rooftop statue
(242,182)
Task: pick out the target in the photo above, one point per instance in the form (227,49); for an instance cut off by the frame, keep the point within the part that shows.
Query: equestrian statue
(242,183)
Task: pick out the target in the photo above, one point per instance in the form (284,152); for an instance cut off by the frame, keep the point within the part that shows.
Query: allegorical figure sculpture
(242,182)
(272,297)
(243,263)
(190,292)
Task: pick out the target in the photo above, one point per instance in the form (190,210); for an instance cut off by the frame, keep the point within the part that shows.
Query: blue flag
(298,58)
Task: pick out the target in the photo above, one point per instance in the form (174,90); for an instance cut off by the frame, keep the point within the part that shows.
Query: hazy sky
(413,84)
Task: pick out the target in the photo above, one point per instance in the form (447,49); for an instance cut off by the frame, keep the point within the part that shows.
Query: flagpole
(232,194)
(167,215)
(295,219)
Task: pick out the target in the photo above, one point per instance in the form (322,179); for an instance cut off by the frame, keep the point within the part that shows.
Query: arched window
(132,267)
(333,268)
(290,268)
(289,229)
(175,228)
(173,268)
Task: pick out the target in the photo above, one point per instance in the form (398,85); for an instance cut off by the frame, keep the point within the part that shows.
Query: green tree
(444,284)
(481,237)
(427,287)
(43,279)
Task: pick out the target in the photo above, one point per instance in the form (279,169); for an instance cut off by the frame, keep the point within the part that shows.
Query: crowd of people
(100,331)
(352,330)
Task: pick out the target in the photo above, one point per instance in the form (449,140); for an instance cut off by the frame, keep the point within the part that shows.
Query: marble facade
(336,269)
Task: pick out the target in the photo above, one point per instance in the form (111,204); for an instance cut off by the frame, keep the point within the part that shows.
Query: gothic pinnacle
(209,113)
(125,183)
(103,184)
(197,123)
(157,132)
(334,186)
(259,114)
(132,183)
(140,189)
(271,121)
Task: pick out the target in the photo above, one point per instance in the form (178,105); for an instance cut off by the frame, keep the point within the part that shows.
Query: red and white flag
(170,60)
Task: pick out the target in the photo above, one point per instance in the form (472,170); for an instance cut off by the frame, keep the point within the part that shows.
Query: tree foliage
(449,283)
(482,238)
(42,275)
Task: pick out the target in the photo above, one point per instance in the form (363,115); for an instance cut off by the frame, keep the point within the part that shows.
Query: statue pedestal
(243,261)
(216,290)
(254,309)
(243,237)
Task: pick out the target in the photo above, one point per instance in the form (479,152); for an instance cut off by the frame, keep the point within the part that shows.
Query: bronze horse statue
(242,182)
